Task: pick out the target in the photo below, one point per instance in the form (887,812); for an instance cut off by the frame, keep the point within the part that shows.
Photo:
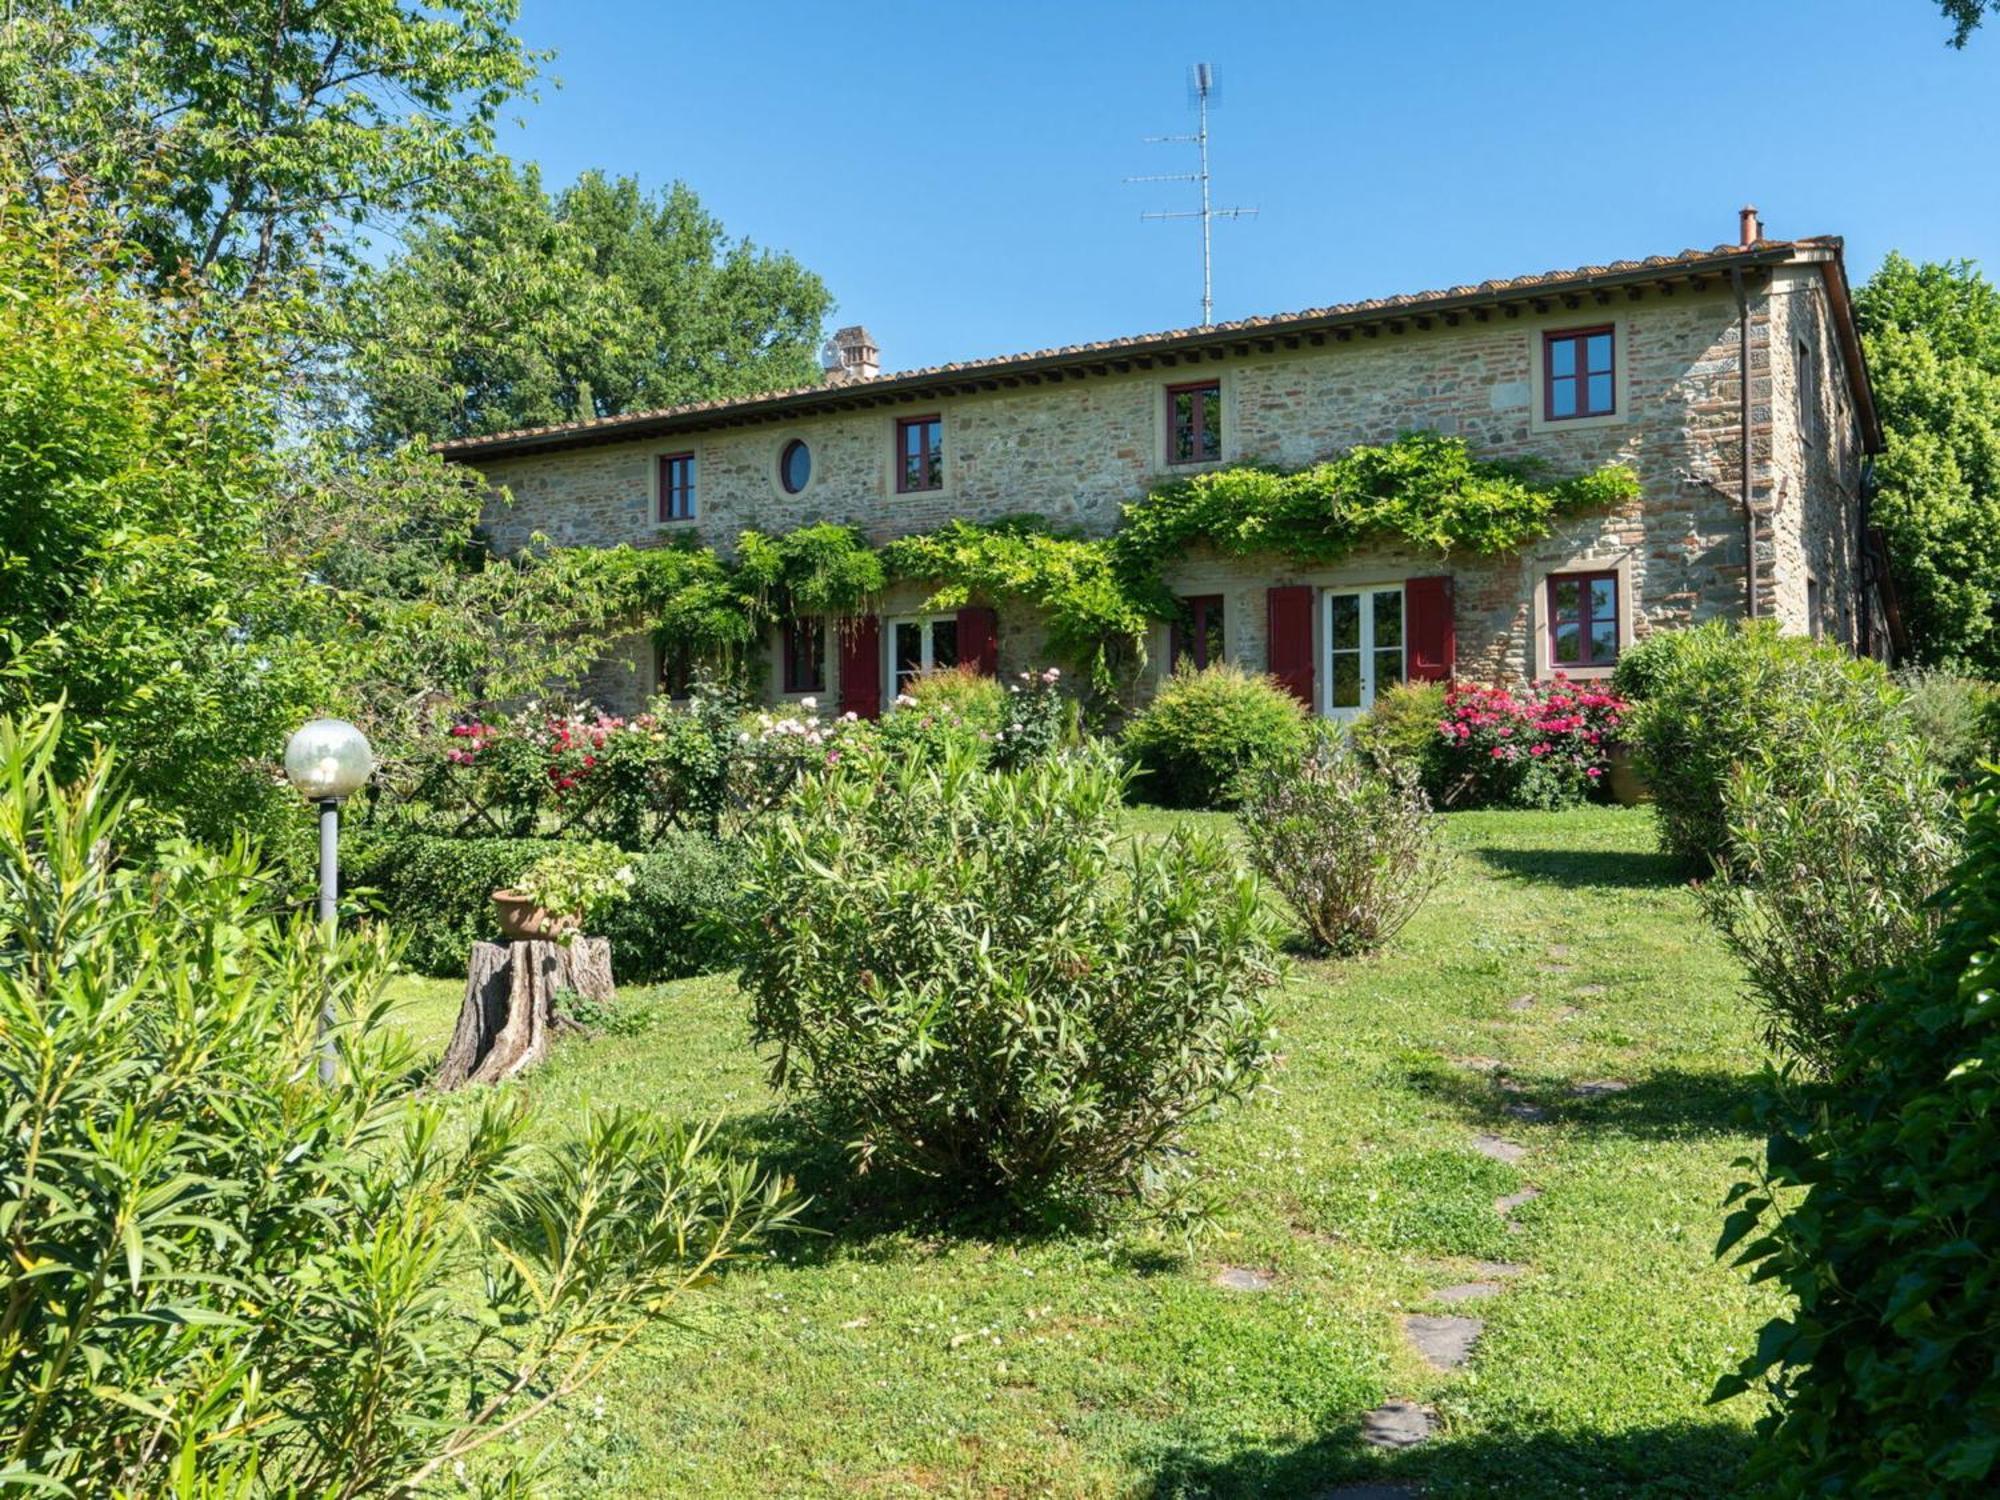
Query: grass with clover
(900,1354)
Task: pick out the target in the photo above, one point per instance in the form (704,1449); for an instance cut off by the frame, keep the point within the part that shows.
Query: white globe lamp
(328,760)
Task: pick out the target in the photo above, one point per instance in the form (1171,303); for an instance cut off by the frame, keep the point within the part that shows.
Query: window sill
(1578,424)
(1578,674)
(676,521)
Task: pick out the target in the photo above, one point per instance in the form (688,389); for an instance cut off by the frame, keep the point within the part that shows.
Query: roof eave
(940,381)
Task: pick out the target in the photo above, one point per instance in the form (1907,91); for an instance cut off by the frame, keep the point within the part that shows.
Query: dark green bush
(1402,730)
(1723,694)
(438,890)
(978,980)
(669,926)
(1827,879)
(1955,718)
(1204,728)
(1878,1209)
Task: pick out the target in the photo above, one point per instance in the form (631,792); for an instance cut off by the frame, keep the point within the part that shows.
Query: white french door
(1361,652)
(918,644)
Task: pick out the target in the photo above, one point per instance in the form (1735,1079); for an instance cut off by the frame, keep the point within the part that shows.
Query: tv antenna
(1201,87)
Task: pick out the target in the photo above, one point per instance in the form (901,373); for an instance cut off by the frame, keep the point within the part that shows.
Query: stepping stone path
(1597,1088)
(1524,1111)
(1500,1270)
(1506,1206)
(1558,952)
(1498,1147)
(1594,990)
(1525,1002)
(1245,1279)
(1468,1291)
(1397,1424)
(1444,1341)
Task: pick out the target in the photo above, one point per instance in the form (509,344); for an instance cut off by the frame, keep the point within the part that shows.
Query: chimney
(851,355)
(1749,229)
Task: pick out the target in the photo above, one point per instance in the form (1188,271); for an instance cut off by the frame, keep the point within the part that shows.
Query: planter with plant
(564,892)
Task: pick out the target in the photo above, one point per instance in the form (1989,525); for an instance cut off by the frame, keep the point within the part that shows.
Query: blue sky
(954,170)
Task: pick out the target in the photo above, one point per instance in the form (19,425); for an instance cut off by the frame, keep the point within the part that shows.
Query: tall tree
(1932,335)
(245,141)
(135,581)
(521,309)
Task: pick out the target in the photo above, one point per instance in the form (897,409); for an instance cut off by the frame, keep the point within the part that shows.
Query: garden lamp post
(328,760)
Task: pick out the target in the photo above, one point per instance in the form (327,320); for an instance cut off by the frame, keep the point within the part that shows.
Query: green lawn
(900,1357)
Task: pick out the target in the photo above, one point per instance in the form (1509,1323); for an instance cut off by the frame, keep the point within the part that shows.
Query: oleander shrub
(1876,1208)
(225,1278)
(438,891)
(1955,718)
(1204,728)
(976,699)
(1724,694)
(1827,876)
(1538,745)
(1355,851)
(1402,730)
(673,922)
(976,979)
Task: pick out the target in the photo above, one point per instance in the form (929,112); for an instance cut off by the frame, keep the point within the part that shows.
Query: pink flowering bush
(1530,746)
(582,772)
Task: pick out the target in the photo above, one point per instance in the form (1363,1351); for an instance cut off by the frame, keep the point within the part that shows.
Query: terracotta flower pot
(1628,787)
(522,921)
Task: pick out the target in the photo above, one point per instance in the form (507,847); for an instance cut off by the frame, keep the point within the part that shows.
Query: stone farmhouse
(1753,491)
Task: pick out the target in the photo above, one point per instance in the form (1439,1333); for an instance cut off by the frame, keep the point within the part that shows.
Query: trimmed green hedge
(438,890)
(666,927)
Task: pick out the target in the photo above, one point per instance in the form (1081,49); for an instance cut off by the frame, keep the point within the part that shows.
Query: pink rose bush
(1529,746)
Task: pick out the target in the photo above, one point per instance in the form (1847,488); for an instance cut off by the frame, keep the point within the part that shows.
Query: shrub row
(1878,1210)
(438,891)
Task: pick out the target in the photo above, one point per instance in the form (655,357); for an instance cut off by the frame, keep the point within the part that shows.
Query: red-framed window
(677,487)
(1579,374)
(919,454)
(1197,637)
(1194,422)
(1583,620)
(805,656)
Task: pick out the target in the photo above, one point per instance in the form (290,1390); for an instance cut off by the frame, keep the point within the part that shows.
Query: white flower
(809,703)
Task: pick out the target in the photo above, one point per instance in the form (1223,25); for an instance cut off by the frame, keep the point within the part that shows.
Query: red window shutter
(1431,641)
(861,666)
(979,639)
(1289,612)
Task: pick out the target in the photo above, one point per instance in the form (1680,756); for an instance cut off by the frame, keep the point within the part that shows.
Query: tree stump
(510,1013)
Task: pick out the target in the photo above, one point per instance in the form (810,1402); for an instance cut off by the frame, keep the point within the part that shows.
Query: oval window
(795,466)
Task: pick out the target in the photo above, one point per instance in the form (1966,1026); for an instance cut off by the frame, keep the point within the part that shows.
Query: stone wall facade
(1074,451)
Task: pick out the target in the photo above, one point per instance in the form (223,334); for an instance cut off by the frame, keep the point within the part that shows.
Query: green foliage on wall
(824,569)
(1424,489)
(1100,595)
(1095,614)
